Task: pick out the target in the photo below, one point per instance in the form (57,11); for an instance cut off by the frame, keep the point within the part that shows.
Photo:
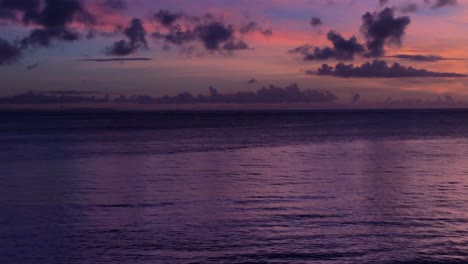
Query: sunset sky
(165,47)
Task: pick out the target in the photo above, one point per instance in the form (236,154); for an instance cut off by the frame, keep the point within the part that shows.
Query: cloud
(422,58)
(443,3)
(251,81)
(54,97)
(342,49)
(50,19)
(9,52)
(266,95)
(44,37)
(235,45)
(166,18)
(209,30)
(271,94)
(380,69)
(136,39)
(214,33)
(383,28)
(315,22)
(253,26)
(116,59)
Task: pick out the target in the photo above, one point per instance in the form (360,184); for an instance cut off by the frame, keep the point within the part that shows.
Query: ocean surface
(234,187)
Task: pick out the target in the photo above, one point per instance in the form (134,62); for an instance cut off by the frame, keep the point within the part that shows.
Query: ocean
(380,186)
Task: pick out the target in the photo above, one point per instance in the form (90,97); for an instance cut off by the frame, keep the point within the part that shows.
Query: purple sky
(167,47)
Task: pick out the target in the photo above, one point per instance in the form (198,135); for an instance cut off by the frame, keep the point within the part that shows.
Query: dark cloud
(315,21)
(235,45)
(116,59)
(266,95)
(215,33)
(176,36)
(211,31)
(54,97)
(380,69)
(118,5)
(253,26)
(443,3)
(251,81)
(9,52)
(44,37)
(10,8)
(51,19)
(342,49)
(383,28)
(167,18)
(271,94)
(136,39)
(422,58)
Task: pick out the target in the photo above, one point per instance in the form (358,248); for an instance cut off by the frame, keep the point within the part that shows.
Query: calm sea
(227,187)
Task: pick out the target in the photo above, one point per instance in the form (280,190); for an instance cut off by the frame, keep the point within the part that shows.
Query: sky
(257,51)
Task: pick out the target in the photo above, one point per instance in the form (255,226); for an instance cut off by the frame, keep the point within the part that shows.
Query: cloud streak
(266,95)
(380,69)
(422,58)
(116,59)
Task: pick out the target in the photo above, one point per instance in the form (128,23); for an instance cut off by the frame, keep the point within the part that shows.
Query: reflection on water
(274,192)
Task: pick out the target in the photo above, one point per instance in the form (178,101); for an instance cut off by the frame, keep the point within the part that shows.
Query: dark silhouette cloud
(54,97)
(176,36)
(136,39)
(383,28)
(271,94)
(10,8)
(380,69)
(44,37)
(266,95)
(422,58)
(315,21)
(167,18)
(9,52)
(251,81)
(215,33)
(342,49)
(253,26)
(116,59)
(443,3)
(52,17)
(211,31)
(235,45)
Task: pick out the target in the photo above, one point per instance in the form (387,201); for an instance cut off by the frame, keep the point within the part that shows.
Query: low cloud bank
(268,95)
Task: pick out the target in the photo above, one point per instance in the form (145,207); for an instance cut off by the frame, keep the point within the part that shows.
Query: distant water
(265,187)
